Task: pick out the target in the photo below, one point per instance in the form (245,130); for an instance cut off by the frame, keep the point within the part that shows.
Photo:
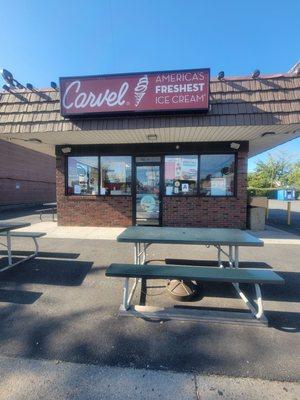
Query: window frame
(67,177)
(234,195)
(66,163)
(115,195)
(163,184)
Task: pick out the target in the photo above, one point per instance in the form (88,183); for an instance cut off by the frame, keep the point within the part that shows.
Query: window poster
(169,190)
(186,168)
(77,189)
(185,187)
(218,186)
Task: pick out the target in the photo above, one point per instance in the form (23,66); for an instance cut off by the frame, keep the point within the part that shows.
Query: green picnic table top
(8,226)
(201,236)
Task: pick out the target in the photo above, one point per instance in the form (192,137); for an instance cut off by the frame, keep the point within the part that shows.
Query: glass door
(147,194)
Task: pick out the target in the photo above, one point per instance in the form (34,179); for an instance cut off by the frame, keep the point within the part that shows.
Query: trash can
(257,218)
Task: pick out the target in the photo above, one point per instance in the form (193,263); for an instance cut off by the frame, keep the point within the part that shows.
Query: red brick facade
(90,210)
(224,212)
(212,212)
(26,176)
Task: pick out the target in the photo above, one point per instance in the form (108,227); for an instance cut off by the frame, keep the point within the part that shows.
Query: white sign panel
(218,186)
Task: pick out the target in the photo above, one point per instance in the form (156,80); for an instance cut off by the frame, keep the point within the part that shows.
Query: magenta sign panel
(167,91)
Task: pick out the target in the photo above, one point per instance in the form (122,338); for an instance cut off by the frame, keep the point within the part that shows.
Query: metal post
(138,253)
(135,253)
(244,298)
(236,256)
(267,209)
(260,309)
(289,212)
(8,238)
(219,257)
(230,257)
(125,293)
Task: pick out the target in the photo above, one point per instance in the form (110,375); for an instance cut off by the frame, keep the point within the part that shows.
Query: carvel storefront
(164,148)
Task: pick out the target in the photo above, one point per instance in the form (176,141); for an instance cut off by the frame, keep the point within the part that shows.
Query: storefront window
(181,175)
(115,175)
(217,175)
(83,175)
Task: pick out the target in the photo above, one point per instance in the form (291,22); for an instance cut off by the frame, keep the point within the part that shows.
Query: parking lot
(278,215)
(61,306)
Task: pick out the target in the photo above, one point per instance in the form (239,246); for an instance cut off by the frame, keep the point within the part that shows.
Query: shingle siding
(270,100)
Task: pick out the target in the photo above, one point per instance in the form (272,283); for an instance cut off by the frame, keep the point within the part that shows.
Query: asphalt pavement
(278,215)
(61,306)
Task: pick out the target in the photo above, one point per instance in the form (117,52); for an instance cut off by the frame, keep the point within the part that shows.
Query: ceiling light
(152,137)
(221,75)
(256,74)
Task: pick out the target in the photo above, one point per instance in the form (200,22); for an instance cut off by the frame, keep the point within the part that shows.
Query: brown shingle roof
(235,101)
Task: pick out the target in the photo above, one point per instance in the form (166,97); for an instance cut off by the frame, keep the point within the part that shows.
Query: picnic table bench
(7,230)
(143,237)
(51,209)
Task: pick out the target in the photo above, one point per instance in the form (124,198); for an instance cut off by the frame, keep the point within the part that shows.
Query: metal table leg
(127,297)
(236,256)
(8,240)
(256,309)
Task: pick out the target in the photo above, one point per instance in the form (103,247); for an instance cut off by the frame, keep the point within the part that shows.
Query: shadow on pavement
(48,272)
(284,321)
(18,296)
(295,230)
(43,254)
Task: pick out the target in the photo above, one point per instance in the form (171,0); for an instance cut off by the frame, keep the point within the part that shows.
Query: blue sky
(42,40)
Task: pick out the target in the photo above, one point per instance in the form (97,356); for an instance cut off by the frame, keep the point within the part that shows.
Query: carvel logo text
(130,93)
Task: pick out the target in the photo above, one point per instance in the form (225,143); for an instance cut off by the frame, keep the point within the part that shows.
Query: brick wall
(90,210)
(177,211)
(26,176)
(222,212)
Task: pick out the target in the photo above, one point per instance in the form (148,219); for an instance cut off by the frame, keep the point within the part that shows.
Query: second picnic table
(6,228)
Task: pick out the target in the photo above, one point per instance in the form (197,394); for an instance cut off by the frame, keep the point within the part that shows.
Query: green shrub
(270,193)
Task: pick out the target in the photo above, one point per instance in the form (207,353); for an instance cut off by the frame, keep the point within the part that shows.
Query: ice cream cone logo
(140,89)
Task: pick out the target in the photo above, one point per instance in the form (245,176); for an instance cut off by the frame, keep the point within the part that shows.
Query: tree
(272,173)
(294,176)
